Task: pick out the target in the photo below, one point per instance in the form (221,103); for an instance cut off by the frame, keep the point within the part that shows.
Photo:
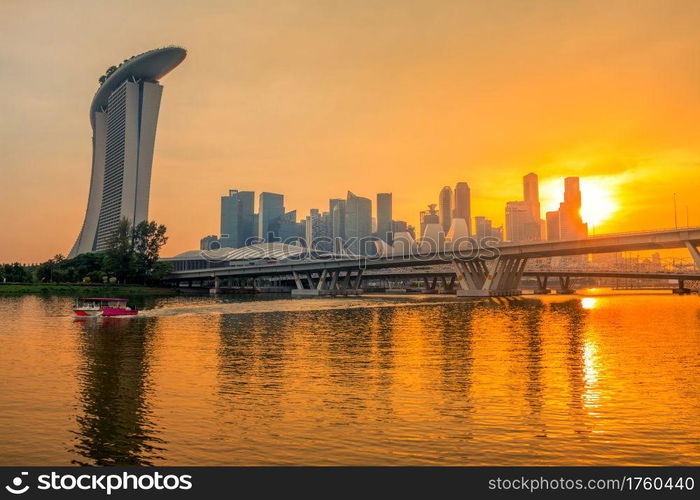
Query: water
(608,379)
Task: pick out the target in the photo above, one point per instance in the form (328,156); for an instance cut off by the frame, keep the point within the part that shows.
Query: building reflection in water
(276,355)
(525,325)
(454,326)
(579,360)
(114,421)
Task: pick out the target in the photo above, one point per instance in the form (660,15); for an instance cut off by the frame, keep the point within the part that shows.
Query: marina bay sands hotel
(124,115)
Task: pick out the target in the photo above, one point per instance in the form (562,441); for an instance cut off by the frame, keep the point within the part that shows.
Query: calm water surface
(598,379)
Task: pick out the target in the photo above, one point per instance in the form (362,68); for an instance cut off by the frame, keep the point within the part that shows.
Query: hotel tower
(124,115)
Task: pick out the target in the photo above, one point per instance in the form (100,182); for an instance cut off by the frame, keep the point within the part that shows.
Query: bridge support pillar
(357,289)
(217,286)
(321,280)
(693,253)
(334,280)
(430,286)
(447,286)
(497,278)
(565,286)
(328,283)
(297,281)
(302,289)
(542,285)
(681,290)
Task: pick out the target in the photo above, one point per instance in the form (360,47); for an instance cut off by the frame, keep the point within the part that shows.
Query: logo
(17,483)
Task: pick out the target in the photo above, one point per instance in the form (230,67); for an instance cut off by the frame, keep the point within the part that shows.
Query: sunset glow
(600,198)
(599,203)
(293,102)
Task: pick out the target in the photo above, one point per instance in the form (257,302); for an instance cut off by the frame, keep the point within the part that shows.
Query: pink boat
(93,307)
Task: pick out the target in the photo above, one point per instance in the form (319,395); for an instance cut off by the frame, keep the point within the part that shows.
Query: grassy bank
(83,290)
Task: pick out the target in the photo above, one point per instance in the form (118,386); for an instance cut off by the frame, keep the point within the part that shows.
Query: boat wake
(283,305)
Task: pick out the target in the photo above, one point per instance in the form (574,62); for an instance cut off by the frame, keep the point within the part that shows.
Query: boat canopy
(102,299)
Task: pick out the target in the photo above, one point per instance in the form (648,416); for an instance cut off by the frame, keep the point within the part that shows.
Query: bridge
(446,281)
(479,270)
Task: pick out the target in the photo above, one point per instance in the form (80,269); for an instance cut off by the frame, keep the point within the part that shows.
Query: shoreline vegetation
(85,289)
(129,266)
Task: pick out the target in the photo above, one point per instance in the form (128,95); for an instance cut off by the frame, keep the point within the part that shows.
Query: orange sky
(312,98)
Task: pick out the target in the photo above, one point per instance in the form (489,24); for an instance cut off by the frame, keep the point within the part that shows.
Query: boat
(94,307)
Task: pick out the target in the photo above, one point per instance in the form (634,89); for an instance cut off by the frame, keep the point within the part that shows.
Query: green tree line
(131,257)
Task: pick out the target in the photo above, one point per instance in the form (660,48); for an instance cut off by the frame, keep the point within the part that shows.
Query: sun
(599,198)
(598,203)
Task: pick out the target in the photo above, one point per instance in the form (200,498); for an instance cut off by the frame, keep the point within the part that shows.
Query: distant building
(429,216)
(384,216)
(553,226)
(270,209)
(247,225)
(358,221)
(523,221)
(462,204)
(210,242)
(318,230)
(483,227)
(237,218)
(517,217)
(497,232)
(531,194)
(401,226)
(284,228)
(571,226)
(445,205)
(336,211)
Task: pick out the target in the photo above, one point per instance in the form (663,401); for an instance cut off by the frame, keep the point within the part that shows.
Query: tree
(149,238)
(132,252)
(16,273)
(119,257)
(50,270)
(161,270)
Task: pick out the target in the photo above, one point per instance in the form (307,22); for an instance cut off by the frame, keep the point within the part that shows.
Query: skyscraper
(523,221)
(358,221)
(572,192)
(462,204)
(247,226)
(429,216)
(210,242)
(270,208)
(483,227)
(336,210)
(518,217)
(318,230)
(571,226)
(284,228)
(531,195)
(384,216)
(445,204)
(237,218)
(124,115)
(553,226)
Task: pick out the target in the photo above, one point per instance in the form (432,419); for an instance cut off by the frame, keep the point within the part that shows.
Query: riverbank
(84,290)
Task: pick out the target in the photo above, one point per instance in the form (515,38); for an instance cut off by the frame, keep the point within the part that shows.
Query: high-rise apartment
(462,204)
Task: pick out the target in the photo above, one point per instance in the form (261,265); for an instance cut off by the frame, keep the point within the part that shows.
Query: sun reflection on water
(589,302)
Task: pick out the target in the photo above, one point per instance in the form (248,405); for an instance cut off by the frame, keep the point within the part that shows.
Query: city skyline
(280,110)
(523,219)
